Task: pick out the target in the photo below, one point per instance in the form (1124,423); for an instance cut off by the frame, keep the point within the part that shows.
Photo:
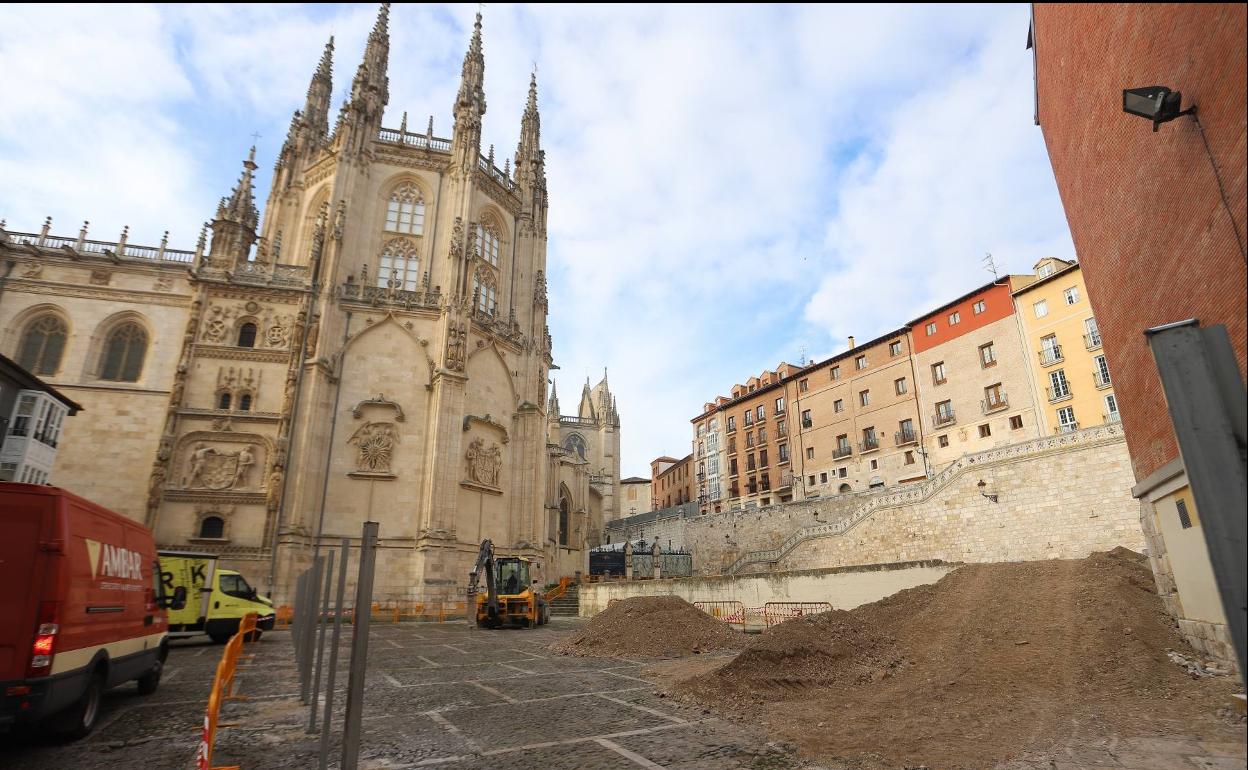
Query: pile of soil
(651,627)
(991,661)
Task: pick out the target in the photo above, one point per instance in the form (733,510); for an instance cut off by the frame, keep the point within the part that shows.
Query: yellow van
(224,597)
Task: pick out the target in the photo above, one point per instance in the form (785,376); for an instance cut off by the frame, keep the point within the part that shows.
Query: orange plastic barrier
(727,611)
(222,690)
(284,615)
(392,611)
(775,613)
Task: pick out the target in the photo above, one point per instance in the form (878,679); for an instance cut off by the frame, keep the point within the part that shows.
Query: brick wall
(1150,228)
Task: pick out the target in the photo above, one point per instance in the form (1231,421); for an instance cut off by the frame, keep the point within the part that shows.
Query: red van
(80,608)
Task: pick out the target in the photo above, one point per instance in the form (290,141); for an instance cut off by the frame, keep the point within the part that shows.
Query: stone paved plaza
(445,695)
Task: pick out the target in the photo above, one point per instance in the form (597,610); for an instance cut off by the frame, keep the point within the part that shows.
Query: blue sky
(729,185)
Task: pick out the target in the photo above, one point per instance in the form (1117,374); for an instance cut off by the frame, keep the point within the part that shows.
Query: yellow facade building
(1069,372)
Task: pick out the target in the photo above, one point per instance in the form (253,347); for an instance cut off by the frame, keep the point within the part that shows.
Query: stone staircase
(569,604)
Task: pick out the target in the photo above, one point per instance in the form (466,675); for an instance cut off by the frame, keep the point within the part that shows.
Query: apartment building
(975,388)
(1073,387)
(672,481)
(709,451)
(858,419)
(757,426)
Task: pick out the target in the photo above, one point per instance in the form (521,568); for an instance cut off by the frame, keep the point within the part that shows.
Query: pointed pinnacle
(326,67)
(251,159)
(532,105)
(382,25)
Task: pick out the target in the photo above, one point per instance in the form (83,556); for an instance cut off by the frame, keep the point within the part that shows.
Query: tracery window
(124,352)
(212,527)
(42,344)
(488,243)
(406,210)
(487,296)
(399,265)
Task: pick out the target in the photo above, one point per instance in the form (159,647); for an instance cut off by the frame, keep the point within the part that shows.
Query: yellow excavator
(509,597)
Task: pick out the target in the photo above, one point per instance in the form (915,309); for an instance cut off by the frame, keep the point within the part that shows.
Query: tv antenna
(990,264)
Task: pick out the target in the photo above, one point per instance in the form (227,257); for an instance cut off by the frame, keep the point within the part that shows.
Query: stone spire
(320,93)
(530,145)
(552,403)
(359,120)
(470,105)
(531,166)
(234,228)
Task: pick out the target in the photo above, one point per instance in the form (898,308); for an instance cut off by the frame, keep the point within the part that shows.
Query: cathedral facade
(375,349)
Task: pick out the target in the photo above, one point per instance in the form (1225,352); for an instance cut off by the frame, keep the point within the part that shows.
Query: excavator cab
(509,597)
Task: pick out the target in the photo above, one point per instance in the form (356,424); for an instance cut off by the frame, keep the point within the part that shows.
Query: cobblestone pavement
(445,695)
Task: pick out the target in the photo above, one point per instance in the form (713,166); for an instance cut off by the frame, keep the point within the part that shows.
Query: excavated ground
(651,627)
(991,662)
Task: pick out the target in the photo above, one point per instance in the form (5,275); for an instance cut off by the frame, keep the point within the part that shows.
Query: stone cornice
(51,288)
(287,295)
(225,497)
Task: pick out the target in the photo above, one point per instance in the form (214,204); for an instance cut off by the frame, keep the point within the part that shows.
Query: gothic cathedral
(375,349)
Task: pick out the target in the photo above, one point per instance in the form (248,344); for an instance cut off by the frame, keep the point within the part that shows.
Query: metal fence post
(320,642)
(333,654)
(359,648)
(309,628)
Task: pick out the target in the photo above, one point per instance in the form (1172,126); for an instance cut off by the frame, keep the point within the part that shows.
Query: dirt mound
(826,650)
(651,627)
(972,670)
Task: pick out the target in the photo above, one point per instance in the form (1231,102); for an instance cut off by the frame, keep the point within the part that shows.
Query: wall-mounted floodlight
(1156,103)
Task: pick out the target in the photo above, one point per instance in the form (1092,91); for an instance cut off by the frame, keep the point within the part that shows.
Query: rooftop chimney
(851,342)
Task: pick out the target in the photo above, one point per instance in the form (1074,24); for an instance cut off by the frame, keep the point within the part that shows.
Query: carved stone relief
(456,347)
(33,270)
(163,283)
(374,440)
(374,443)
(101,277)
(212,466)
(485,464)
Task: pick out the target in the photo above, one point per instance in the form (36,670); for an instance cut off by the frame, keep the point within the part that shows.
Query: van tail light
(45,639)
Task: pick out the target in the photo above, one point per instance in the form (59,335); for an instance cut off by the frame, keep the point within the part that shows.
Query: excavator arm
(485,561)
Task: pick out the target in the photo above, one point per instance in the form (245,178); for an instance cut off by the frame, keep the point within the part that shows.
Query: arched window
(213,527)
(244,402)
(224,401)
(575,443)
(42,344)
(488,243)
(124,352)
(247,335)
(564,516)
(406,212)
(487,296)
(400,265)
(845,488)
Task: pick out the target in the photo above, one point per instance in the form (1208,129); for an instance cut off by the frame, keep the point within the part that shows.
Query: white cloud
(727,183)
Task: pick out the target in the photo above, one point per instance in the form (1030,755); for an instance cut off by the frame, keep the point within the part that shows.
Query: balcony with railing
(844,450)
(386,296)
(1092,341)
(1068,427)
(81,245)
(807,422)
(1051,355)
(941,419)
(1058,395)
(1102,379)
(1111,417)
(904,437)
(869,444)
(994,403)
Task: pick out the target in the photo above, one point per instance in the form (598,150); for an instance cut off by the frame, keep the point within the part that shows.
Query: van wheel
(254,636)
(219,638)
(80,719)
(151,680)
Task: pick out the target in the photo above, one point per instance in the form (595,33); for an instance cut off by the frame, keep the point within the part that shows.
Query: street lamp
(1156,103)
(981,485)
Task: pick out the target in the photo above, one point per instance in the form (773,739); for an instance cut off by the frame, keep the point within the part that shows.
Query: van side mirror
(178,600)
